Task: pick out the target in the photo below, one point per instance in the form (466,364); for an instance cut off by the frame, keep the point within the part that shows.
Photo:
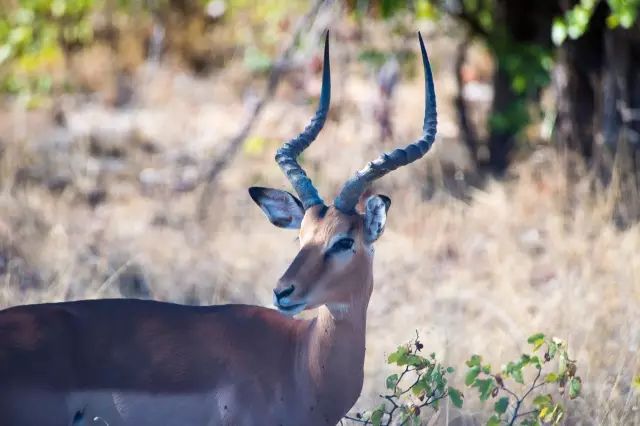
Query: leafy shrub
(552,368)
(423,382)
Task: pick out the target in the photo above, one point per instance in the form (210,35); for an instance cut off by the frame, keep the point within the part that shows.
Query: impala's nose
(281,295)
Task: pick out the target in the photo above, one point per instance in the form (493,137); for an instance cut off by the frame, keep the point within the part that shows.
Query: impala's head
(333,266)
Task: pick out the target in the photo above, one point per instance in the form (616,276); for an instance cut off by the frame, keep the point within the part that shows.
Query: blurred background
(129,132)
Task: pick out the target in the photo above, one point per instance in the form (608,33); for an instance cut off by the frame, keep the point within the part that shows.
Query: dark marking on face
(322,211)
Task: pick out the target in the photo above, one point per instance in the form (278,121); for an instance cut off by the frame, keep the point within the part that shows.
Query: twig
(533,386)
(526,413)
(519,401)
(234,144)
(355,419)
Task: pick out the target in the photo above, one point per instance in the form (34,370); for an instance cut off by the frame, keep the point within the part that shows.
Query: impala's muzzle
(282,296)
(282,300)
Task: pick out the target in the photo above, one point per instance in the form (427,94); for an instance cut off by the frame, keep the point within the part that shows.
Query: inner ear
(282,209)
(375,216)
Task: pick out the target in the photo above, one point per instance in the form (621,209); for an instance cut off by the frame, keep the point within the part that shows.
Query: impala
(137,362)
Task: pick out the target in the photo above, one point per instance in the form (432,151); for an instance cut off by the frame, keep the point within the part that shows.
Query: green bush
(422,382)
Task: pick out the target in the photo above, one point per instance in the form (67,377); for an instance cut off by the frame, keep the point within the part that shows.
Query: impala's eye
(343,244)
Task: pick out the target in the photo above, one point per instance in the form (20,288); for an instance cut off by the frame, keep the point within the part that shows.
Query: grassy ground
(102,207)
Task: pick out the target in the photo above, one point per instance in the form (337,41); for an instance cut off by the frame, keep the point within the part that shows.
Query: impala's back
(170,364)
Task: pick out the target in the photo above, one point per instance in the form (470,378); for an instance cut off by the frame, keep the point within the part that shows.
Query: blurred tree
(597,83)
(596,73)
(35,36)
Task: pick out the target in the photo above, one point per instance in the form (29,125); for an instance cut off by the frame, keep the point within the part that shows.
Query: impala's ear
(375,216)
(282,208)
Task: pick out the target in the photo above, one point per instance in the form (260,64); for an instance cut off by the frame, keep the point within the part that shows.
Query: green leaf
(392,381)
(485,386)
(544,413)
(456,397)
(501,405)
(438,379)
(399,355)
(474,360)
(422,386)
(558,31)
(541,401)
(636,383)
(493,421)
(471,375)
(376,416)
(535,361)
(575,386)
(562,363)
(450,370)
(416,361)
(551,378)
(516,373)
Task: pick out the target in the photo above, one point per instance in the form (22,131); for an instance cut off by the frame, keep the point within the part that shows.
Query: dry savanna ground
(103,206)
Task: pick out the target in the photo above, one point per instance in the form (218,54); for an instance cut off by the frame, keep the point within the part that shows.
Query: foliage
(33,35)
(422,382)
(574,23)
(552,369)
(37,36)
(528,65)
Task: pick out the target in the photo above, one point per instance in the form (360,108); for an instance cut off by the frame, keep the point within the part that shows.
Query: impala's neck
(332,358)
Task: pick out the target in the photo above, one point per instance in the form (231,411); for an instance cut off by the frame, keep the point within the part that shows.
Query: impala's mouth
(292,309)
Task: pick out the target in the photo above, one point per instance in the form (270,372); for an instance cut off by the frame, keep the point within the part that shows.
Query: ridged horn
(286,156)
(347,199)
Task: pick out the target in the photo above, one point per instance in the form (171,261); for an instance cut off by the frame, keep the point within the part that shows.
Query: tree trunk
(597,80)
(524,22)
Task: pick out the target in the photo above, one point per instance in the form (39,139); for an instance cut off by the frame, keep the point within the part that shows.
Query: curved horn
(287,154)
(348,198)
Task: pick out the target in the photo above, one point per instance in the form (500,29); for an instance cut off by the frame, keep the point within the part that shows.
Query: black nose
(284,293)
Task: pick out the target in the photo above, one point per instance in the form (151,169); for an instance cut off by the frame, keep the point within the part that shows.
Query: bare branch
(357,420)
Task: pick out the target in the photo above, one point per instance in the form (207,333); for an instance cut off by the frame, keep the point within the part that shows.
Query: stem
(395,407)
(520,400)
(510,392)
(526,413)
(357,420)
(515,413)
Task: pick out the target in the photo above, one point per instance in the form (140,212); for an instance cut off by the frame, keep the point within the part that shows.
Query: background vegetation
(130,130)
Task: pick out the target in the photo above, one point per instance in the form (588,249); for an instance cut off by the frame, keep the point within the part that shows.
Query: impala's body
(140,367)
(138,363)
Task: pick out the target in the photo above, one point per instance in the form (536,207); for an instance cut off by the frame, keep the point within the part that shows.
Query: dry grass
(472,277)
